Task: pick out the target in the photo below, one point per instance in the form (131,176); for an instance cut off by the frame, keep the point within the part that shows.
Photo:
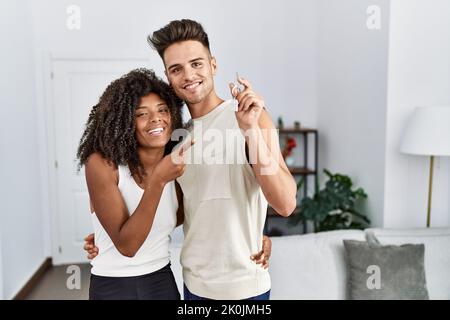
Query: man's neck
(205,106)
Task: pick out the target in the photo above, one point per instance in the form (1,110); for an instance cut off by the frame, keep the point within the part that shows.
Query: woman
(131,187)
(135,202)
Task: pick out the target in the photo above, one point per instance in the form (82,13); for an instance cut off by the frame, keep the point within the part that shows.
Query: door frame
(47,135)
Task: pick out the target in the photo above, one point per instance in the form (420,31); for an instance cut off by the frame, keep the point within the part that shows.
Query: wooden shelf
(301,171)
(293,130)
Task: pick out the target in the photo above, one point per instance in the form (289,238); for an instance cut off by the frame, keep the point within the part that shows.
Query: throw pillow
(385,272)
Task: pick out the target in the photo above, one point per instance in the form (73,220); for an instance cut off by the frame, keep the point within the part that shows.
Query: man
(225,209)
(225,204)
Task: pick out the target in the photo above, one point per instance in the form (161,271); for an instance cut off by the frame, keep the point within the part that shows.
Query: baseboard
(37,276)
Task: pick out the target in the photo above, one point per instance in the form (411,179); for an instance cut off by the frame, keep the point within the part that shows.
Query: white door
(76,87)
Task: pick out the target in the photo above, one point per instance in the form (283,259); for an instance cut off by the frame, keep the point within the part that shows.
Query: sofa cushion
(437,254)
(310,266)
(378,272)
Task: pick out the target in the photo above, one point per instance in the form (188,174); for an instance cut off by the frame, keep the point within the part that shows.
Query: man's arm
(268,165)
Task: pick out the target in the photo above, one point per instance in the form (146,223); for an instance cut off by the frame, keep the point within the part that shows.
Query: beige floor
(53,286)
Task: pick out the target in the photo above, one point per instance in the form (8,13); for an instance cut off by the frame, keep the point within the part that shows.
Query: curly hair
(110,128)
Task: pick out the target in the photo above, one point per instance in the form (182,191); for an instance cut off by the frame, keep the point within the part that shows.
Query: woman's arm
(127,232)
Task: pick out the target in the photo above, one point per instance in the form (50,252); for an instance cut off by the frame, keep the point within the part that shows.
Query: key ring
(238,86)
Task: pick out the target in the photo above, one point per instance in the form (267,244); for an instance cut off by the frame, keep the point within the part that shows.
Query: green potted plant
(333,207)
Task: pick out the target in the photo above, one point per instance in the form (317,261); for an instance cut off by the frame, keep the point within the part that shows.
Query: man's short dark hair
(177,31)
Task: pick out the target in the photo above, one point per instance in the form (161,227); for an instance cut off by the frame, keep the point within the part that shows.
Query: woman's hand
(89,247)
(263,256)
(171,166)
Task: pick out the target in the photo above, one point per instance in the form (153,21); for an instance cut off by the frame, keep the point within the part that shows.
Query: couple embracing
(141,185)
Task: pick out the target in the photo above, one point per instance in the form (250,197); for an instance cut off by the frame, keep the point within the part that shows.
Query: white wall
(351,89)
(21,215)
(419,75)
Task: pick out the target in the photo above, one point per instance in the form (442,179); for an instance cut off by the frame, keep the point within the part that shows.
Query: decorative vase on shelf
(289,146)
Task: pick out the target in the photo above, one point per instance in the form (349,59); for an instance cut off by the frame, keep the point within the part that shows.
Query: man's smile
(192,86)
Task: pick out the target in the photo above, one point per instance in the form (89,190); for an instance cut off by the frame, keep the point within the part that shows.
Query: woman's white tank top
(154,252)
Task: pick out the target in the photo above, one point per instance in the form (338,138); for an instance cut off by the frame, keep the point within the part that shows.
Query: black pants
(158,285)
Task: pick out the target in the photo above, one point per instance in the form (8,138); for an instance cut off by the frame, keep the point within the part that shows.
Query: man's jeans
(190,296)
